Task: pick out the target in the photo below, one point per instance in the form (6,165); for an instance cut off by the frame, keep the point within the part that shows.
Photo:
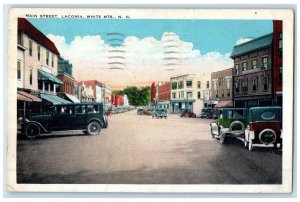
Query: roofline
(255,39)
(236,55)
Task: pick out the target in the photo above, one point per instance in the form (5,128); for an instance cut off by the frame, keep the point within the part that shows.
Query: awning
(72,98)
(224,104)
(42,75)
(54,99)
(22,95)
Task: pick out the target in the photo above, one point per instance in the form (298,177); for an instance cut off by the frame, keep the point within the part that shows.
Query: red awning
(224,104)
(29,97)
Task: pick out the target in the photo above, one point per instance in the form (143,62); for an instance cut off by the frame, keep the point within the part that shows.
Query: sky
(122,52)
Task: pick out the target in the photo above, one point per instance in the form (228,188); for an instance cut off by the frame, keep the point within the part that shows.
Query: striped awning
(72,98)
(54,99)
(45,76)
(224,104)
(22,95)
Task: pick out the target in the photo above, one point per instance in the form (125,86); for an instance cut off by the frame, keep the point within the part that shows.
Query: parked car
(187,113)
(209,113)
(140,111)
(160,113)
(107,110)
(120,109)
(265,127)
(231,122)
(73,116)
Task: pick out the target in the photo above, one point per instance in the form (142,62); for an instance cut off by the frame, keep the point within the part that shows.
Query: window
(30,47)
(47,57)
(198,84)
(223,81)
(254,84)
(189,84)
(228,92)
(19,69)
(181,94)
(173,95)
(80,109)
(189,94)
(222,93)
(266,82)
(52,60)
(237,69)
(20,39)
(280,44)
(207,84)
(39,52)
(245,85)
(199,95)
(245,66)
(237,86)
(180,84)
(219,81)
(30,76)
(280,73)
(254,64)
(174,85)
(265,62)
(217,93)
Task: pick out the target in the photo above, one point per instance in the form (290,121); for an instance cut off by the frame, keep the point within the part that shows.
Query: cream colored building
(37,59)
(190,92)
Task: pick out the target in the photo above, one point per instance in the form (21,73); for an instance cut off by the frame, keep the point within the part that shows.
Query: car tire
(32,130)
(93,128)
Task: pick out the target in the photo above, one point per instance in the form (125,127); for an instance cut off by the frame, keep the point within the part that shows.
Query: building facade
(164,95)
(117,100)
(221,87)
(277,62)
(37,59)
(189,92)
(252,74)
(85,92)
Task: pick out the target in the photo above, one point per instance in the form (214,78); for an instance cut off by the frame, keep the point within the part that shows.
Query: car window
(238,114)
(268,115)
(80,109)
(92,109)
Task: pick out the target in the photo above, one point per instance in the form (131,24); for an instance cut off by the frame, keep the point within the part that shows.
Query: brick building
(277,62)
(164,95)
(221,88)
(117,100)
(252,74)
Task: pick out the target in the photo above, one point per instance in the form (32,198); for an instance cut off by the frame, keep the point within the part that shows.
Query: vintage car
(140,111)
(107,110)
(120,109)
(187,113)
(231,122)
(74,116)
(160,113)
(209,113)
(265,127)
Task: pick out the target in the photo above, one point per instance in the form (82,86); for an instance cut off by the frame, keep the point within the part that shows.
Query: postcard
(150,100)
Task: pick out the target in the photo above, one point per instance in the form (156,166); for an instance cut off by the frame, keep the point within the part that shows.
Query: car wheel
(93,128)
(32,130)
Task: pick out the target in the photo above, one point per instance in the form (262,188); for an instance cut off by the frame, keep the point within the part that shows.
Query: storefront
(177,106)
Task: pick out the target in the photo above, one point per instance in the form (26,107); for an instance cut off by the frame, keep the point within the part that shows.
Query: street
(137,149)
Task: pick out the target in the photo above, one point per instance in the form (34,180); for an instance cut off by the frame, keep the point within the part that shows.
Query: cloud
(136,61)
(243,40)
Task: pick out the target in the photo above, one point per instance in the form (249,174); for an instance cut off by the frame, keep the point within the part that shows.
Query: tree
(136,96)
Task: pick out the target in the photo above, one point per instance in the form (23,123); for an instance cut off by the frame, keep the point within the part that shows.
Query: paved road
(139,149)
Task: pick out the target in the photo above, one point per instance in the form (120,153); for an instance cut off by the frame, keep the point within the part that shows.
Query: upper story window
(219,81)
(173,95)
(245,85)
(254,84)
(181,94)
(198,84)
(174,85)
(223,93)
(30,47)
(189,94)
(237,69)
(52,60)
(266,82)
(254,64)
(245,66)
(199,95)
(19,69)
(280,44)
(47,57)
(280,73)
(207,84)
(30,76)
(217,93)
(180,84)
(39,52)
(20,39)
(265,62)
(228,92)
(189,84)
(237,86)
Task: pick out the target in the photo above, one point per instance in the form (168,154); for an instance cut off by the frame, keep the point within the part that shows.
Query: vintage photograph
(118,97)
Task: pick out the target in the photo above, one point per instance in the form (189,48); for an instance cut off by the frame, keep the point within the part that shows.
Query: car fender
(98,120)
(40,125)
(214,128)
(236,123)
